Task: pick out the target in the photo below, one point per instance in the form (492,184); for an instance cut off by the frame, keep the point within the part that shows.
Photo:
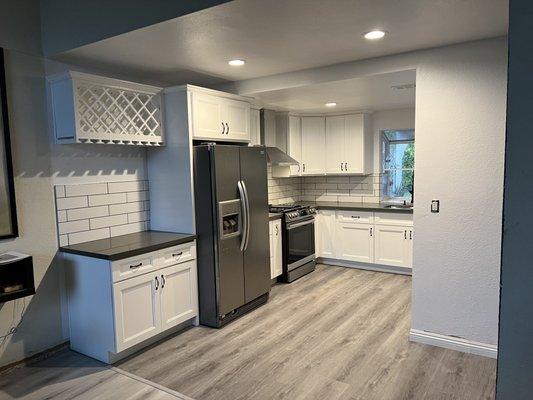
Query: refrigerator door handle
(244,213)
(247,226)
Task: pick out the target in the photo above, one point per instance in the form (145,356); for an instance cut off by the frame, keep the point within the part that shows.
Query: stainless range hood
(278,158)
(275,155)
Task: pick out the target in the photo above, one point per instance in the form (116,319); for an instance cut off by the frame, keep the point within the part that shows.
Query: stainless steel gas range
(298,235)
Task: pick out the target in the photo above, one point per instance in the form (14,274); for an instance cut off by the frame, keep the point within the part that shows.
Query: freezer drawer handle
(136,265)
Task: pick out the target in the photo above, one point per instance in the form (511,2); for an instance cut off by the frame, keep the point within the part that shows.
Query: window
(398,162)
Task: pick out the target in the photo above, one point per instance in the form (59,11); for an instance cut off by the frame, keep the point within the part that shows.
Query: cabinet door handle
(156,283)
(163,281)
(410,235)
(346,166)
(341,166)
(304,167)
(136,265)
(370,231)
(405,234)
(227,129)
(277,230)
(223,128)
(177,254)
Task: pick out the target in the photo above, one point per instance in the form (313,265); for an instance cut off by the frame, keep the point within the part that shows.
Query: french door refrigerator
(231,196)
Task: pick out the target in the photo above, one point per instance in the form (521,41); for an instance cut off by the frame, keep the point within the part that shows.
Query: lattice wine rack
(94,109)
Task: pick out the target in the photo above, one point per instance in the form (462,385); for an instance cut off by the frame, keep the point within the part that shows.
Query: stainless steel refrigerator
(231,196)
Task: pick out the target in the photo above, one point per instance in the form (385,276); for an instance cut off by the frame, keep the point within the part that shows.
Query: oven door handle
(244,214)
(298,224)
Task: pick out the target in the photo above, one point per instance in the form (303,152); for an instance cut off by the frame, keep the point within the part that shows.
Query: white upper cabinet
(219,118)
(294,143)
(255,127)
(313,144)
(349,144)
(335,144)
(94,109)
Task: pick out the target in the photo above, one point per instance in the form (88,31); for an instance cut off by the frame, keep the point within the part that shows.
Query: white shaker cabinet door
(137,309)
(313,145)
(207,113)
(392,245)
(355,242)
(335,146)
(178,294)
(236,117)
(325,233)
(295,144)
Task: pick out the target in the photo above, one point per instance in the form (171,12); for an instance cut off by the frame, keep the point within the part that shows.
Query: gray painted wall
(515,363)
(68,24)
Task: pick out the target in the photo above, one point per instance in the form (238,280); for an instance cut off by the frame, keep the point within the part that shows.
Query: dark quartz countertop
(274,216)
(331,205)
(124,246)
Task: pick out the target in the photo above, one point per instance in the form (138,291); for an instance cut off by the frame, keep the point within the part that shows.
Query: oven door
(300,243)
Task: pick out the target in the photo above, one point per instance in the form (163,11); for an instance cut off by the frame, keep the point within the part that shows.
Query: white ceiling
(370,93)
(277,36)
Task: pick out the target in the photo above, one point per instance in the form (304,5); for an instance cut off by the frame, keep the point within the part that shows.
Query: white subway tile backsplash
(74,226)
(131,186)
(71,202)
(112,220)
(137,196)
(138,217)
(88,212)
(101,210)
(62,216)
(87,236)
(84,190)
(129,228)
(125,208)
(102,199)
(60,191)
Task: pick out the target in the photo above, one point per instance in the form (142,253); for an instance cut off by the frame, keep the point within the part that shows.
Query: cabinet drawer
(133,266)
(389,218)
(355,217)
(176,254)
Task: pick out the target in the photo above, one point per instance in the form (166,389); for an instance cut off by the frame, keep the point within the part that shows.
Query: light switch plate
(435,206)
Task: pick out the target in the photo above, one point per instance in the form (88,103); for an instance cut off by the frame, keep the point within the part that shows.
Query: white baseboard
(453,343)
(391,269)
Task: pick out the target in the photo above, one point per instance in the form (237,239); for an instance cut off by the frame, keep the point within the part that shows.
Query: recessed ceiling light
(331,104)
(374,35)
(236,63)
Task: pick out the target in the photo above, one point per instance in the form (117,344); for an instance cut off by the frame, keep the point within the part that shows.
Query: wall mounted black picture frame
(8,209)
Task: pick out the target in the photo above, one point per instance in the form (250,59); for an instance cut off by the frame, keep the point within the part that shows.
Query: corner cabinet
(94,109)
(219,118)
(327,145)
(129,303)
(381,238)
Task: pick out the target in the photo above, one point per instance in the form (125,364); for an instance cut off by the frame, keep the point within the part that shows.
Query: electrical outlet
(435,206)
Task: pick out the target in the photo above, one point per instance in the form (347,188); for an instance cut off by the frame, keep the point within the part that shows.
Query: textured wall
(460,134)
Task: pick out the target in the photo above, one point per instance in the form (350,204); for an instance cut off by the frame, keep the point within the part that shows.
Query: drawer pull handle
(356,216)
(177,254)
(136,265)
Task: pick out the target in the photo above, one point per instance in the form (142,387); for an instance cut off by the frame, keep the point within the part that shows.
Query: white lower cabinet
(355,242)
(137,310)
(116,305)
(325,233)
(393,245)
(365,237)
(276,252)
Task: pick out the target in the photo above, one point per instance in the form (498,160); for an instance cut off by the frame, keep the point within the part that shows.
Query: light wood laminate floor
(337,333)
(69,375)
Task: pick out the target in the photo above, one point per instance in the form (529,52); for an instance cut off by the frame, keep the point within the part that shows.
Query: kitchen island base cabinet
(369,240)
(112,315)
